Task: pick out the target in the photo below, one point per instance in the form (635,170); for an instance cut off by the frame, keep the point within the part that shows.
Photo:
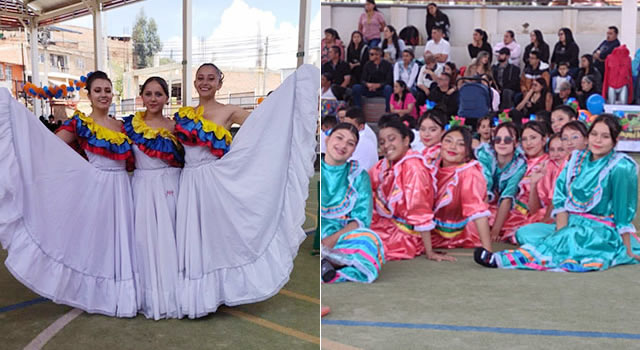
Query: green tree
(146,41)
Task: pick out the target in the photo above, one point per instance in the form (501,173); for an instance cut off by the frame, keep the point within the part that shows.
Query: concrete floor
(289,320)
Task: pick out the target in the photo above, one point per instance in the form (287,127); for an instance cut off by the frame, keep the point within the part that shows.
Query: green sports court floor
(421,304)
(289,320)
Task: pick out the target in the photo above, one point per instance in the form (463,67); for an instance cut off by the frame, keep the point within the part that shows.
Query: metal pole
(98,40)
(186,52)
(629,20)
(35,59)
(303,31)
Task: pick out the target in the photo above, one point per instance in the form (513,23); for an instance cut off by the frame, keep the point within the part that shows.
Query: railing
(493,2)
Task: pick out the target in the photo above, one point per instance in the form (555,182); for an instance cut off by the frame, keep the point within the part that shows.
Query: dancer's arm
(482,225)
(66,136)
(626,238)
(429,253)
(238,115)
(501,217)
(562,219)
(331,240)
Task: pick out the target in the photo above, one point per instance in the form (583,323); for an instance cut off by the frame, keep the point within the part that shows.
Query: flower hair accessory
(504,117)
(573,103)
(585,116)
(429,105)
(455,121)
(532,117)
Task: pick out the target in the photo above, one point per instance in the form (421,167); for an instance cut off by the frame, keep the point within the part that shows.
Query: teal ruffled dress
(601,198)
(346,197)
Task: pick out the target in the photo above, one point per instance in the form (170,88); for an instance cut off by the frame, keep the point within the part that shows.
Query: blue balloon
(83,79)
(45,88)
(59,94)
(595,104)
(70,88)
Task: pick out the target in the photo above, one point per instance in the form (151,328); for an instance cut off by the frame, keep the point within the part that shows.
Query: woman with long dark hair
(331,38)
(537,44)
(392,46)
(402,101)
(480,43)
(587,68)
(357,56)
(436,18)
(565,50)
(354,252)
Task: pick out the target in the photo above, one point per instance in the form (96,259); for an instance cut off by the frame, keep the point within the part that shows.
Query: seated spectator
(357,56)
(564,93)
(488,81)
(407,69)
(587,68)
(537,44)
(331,38)
(371,24)
(507,77)
(436,18)
(366,152)
(479,66)
(537,98)
(438,46)
(479,43)
(563,76)
(587,89)
(326,90)
(509,41)
(445,95)
(392,46)
(536,69)
(565,50)
(377,79)
(605,48)
(340,72)
(426,78)
(402,101)
(451,69)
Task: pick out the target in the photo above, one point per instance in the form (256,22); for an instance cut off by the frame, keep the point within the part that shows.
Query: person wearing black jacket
(436,18)
(377,79)
(565,50)
(479,43)
(507,76)
(538,44)
(357,56)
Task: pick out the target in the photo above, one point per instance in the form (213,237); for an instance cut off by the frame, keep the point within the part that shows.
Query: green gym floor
(289,320)
(421,304)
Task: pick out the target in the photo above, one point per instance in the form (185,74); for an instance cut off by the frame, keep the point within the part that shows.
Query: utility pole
(266,54)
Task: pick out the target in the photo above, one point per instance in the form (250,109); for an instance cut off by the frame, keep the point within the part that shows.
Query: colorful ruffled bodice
(502,182)
(524,187)
(194,130)
(346,197)
(156,143)
(605,190)
(100,140)
(432,153)
(404,192)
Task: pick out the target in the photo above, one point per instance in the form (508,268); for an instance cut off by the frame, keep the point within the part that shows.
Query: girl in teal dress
(595,202)
(503,166)
(346,209)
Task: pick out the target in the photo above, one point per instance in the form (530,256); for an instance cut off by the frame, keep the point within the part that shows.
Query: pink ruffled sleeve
(474,191)
(417,187)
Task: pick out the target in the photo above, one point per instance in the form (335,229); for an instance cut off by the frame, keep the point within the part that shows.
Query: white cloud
(241,37)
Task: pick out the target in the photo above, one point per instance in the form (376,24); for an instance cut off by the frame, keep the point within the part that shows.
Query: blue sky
(206,15)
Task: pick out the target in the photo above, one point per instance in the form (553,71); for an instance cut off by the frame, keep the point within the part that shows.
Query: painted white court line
(38,342)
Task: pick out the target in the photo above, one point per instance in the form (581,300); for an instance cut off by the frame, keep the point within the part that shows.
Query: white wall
(588,24)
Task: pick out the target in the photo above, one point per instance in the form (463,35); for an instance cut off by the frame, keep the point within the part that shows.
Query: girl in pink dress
(461,196)
(403,193)
(431,127)
(402,101)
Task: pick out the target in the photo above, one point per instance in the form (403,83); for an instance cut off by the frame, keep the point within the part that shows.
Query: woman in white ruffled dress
(241,205)
(158,159)
(67,223)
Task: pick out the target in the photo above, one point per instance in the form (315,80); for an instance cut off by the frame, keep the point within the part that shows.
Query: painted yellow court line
(273,326)
(299,296)
(50,332)
(332,345)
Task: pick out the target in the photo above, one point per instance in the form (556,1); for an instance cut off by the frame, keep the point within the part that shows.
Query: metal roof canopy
(16,13)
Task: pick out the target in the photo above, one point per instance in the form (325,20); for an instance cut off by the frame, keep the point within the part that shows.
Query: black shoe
(484,258)
(328,271)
